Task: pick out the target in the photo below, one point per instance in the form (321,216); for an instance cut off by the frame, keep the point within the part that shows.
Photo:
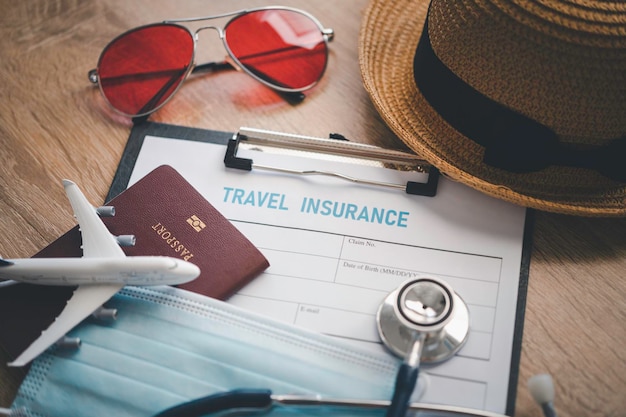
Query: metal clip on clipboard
(276,142)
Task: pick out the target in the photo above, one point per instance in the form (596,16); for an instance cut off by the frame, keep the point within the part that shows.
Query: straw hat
(520,99)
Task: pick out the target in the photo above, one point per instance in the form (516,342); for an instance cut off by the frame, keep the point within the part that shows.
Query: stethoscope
(423,321)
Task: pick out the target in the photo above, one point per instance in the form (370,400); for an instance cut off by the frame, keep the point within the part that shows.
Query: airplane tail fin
(4,262)
(6,283)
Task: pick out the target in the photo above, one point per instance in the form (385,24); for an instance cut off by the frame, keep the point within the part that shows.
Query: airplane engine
(67,342)
(105,313)
(125,240)
(105,211)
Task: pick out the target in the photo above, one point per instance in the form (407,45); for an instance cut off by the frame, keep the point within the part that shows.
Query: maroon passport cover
(168,217)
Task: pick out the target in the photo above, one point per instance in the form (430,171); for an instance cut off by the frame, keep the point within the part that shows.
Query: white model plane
(102,271)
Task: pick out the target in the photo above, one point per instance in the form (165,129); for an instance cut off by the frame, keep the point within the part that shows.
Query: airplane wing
(84,301)
(97,242)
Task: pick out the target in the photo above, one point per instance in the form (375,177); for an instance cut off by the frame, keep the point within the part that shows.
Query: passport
(168,217)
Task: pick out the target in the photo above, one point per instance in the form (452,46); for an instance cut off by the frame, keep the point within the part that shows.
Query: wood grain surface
(54,125)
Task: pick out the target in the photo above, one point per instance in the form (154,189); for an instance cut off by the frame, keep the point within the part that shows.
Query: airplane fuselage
(131,270)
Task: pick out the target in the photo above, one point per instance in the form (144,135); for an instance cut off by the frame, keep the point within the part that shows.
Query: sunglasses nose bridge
(210,49)
(219,30)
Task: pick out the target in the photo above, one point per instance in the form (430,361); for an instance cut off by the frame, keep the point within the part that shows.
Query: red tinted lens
(142,68)
(281,47)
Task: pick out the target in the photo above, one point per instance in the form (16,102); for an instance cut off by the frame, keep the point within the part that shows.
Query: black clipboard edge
(522,291)
(135,142)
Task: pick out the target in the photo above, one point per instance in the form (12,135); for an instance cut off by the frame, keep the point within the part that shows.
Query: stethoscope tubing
(406,379)
(259,400)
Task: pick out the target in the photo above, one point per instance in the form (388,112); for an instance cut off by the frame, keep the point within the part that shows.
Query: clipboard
(336,147)
(234,141)
(333,148)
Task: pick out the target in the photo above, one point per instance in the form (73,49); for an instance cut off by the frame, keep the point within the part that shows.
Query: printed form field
(334,284)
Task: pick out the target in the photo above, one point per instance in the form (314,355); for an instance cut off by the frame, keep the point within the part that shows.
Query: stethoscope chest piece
(425,308)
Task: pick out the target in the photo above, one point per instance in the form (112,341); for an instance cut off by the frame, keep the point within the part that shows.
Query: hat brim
(390,32)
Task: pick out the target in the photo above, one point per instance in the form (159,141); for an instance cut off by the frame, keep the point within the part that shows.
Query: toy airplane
(102,271)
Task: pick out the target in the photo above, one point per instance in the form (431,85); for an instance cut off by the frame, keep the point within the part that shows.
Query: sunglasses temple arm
(212,66)
(151,104)
(290,97)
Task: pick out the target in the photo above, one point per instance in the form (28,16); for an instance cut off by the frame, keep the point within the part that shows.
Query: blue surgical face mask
(169,346)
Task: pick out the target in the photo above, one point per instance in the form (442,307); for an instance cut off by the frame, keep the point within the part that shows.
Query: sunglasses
(284,48)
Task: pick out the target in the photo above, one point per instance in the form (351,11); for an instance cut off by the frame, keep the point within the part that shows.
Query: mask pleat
(169,346)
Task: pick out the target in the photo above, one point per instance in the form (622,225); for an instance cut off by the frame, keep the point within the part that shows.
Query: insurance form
(336,249)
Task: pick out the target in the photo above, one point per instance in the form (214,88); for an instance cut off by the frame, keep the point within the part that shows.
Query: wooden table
(54,125)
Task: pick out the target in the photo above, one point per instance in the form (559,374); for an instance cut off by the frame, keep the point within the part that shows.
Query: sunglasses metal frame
(232,60)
